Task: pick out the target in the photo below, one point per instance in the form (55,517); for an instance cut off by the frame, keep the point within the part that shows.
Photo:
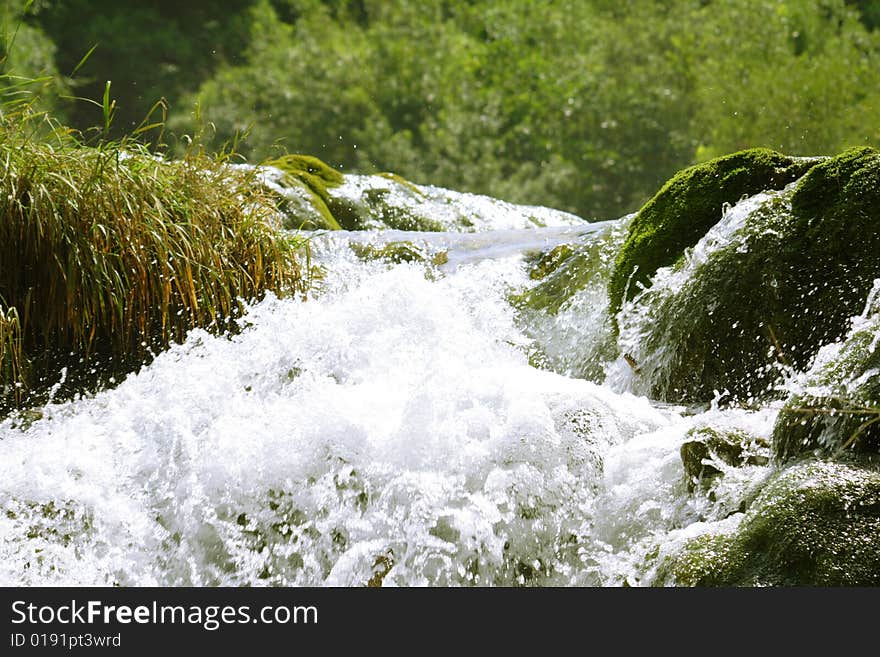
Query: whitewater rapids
(389,430)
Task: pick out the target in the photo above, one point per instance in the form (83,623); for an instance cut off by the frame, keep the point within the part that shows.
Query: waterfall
(395,428)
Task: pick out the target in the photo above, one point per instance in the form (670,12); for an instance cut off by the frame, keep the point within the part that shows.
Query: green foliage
(396,253)
(149,50)
(300,89)
(687,206)
(583,106)
(508,99)
(803,81)
(28,75)
(869,12)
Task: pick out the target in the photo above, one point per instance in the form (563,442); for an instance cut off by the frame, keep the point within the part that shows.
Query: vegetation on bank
(109,252)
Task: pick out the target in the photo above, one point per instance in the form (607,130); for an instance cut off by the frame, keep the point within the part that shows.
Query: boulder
(688,205)
(814,524)
(706,445)
(779,277)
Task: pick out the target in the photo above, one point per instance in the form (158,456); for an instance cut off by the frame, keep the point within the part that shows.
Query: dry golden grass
(10,351)
(111,250)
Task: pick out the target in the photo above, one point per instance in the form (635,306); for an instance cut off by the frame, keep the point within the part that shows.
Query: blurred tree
(27,53)
(806,81)
(149,50)
(585,105)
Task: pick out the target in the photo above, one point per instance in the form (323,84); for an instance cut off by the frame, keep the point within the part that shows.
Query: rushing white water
(388,430)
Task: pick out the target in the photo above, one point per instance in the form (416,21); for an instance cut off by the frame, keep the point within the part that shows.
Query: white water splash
(388,430)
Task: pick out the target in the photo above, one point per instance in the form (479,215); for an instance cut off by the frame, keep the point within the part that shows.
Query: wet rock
(814,524)
(397,252)
(706,448)
(761,293)
(837,410)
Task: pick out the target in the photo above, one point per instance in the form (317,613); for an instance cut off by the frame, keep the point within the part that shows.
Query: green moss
(350,215)
(734,448)
(702,561)
(688,205)
(566,270)
(814,524)
(565,313)
(571,274)
(308,168)
(549,262)
(766,297)
(398,217)
(393,204)
(403,182)
(313,177)
(393,252)
(305,210)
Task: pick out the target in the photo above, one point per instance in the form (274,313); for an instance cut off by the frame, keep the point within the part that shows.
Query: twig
(780,354)
(632,363)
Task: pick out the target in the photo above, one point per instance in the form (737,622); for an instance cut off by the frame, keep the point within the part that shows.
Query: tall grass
(10,352)
(109,250)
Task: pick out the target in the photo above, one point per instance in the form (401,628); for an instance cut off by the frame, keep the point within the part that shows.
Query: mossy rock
(311,178)
(839,407)
(766,296)
(380,205)
(397,252)
(301,166)
(688,205)
(549,262)
(734,448)
(383,201)
(814,524)
(403,182)
(566,270)
(573,269)
(566,312)
(303,209)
